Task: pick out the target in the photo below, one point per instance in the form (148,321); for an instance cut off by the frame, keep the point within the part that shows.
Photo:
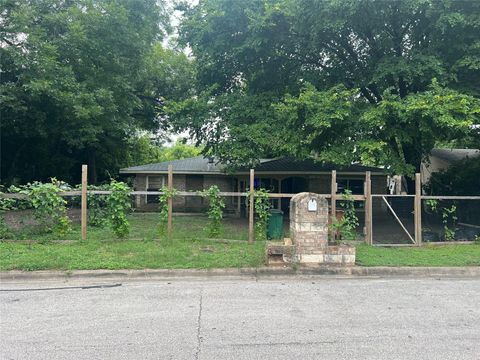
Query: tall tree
(79,78)
(368,80)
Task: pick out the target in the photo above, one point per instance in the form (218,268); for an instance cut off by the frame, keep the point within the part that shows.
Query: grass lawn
(131,254)
(190,248)
(448,255)
(144,226)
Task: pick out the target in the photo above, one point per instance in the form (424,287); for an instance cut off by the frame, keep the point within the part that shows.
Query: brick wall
(139,185)
(224,183)
(180,185)
(319,184)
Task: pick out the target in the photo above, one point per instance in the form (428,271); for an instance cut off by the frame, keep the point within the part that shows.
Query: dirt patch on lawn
(22,219)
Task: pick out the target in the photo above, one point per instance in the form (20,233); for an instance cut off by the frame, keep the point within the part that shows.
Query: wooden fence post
(251,209)
(333,202)
(368,209)
(418,209)
(84,202)
(170,201)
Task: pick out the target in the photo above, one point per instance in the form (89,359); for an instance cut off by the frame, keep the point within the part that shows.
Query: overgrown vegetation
(461,178)
(449,218)
(97,206)
(50,207)
(346,226)
(119,204)
(262,205)
(163,207)
(216,204)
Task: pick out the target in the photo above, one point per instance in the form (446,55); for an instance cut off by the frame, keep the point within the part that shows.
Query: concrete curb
(262,272)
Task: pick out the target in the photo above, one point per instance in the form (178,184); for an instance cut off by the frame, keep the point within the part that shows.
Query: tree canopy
(372,81)
(375,81)
(79,79)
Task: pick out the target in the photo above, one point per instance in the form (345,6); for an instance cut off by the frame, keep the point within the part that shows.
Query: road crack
(199,326)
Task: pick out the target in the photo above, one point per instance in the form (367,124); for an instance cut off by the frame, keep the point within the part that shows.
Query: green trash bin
(275,224)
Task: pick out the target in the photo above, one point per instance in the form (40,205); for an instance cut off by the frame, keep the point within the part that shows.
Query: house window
(354,185)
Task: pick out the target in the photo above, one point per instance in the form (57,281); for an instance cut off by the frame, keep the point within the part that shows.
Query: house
(276,175)
(441,159)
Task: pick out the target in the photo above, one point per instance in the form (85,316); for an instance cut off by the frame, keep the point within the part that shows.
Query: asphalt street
(290,318)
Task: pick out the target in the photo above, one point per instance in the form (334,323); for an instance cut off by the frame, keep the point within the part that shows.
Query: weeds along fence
(441,219)
(412,220)
(382,219)
(235,228)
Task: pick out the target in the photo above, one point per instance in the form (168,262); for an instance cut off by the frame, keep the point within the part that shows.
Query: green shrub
(215,210)
(97,206)
(118,205)
(461,178)
(49,207)
(348,223)
(262,205)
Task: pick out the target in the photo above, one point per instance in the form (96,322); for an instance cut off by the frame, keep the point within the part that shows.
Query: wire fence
(393,220)
(383,219)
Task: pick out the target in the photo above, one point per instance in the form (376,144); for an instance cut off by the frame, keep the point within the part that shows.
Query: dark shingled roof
(286,164)
(200,165)
(195,164)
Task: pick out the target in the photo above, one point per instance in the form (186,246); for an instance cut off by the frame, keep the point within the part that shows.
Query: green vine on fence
(262,205)
(49,207)
(163,207)
(97,206)
(449,216)
(347,224)
(15,204)
(118,205)
(216,204)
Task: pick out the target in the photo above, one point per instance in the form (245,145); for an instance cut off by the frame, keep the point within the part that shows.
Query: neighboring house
(276,175)
(441,159)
